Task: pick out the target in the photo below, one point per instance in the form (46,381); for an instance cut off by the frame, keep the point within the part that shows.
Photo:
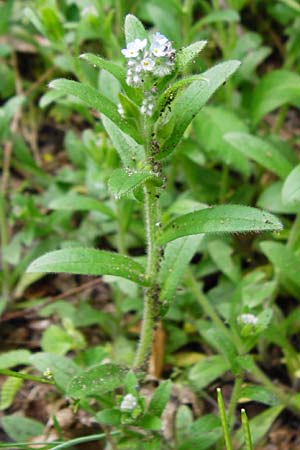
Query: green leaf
(149,422)
(51,24)
(62,368)
(177,256)
(258,394)
(94,99)
(9,389)
(211,124)
(21,428)
(134,29)
(117,71)
(183,422)
(261,151)
(187,54)
(188,103)
(291,188)
(271,200)
(77,202)
(96,381)
(220,253)
(14,358)
(275,89)
(220,219)
(123,181)
(110,417)
(128,150)
(204,432)
(160,398)
(208,370)
(89,261)
(227,15)
(56,340)
(260,425)
(284,260)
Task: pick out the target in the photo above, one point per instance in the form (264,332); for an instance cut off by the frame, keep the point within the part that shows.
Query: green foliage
(125,168)
(89,262)
(220,219)
(96,381)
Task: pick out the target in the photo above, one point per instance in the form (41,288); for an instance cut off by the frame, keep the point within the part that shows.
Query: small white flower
(247,319)
(136,80)
(133,48)
(160,45)
(159,38)
(129,402)
(147,64)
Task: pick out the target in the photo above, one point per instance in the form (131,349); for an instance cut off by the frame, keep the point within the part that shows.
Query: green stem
(280,119)
(82,440)
(234,397)
(224,183)
(150,299)
(6,295)
(224,421)
(24,376)
(246,431)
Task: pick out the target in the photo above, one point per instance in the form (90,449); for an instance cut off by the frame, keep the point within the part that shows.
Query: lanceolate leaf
(188,54)
(188,103)
(261,151)
(160,398)
(89,261)
(128,150)
(94,99)
(210,126)
(220,219)
(123,181)
(134,29)
(284,260)
(275,89)
(291,188)
(177,256)
(117,71)
(76,202)
(97,381)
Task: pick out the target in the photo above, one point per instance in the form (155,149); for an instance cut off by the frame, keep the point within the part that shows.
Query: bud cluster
(156,58)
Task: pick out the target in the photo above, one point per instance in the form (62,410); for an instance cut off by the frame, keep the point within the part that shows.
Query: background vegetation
(234,320)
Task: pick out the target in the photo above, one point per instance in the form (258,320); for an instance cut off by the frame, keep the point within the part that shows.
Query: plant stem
(280,119)
(150,298)
(5,268)
(246,430)
(234,397)
(224,421)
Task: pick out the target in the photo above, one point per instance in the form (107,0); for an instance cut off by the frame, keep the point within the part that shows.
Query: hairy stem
(150,298)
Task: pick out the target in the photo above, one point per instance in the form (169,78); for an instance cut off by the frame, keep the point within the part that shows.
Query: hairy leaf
(188,103)
(134,29)
(89,261)
(128,150)
(188,54)
(220,219)
(94,99)
(123,181)
(97,381)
